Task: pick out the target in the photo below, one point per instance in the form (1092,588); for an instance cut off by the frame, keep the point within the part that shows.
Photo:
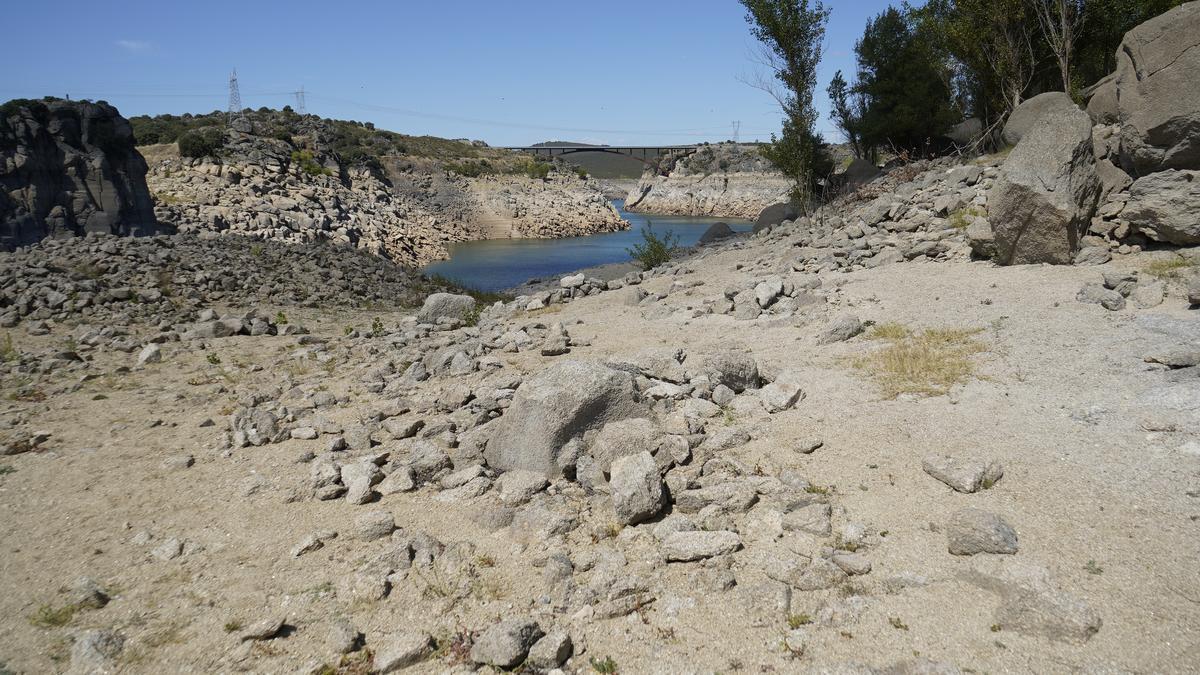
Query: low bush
(654,250)
(204,142)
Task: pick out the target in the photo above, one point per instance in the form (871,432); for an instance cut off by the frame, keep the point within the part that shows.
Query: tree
(1060,21)
(991,45)
(791,32)
(844,114)
(905,88)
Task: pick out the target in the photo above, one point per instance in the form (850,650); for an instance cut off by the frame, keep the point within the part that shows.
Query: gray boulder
(966,132)
(557,404)
(637,489)
(446,305)
(1097,294)
(1158,65)
(506,644)
(716,232)
(981,238)
(775,214)
(736,370)
(625,437)
(1030,112)
(973,531)
(1165,206)
(1047,190)
(401,650)
(689,546)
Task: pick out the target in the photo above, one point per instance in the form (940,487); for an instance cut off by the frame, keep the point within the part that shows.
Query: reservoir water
(498,264)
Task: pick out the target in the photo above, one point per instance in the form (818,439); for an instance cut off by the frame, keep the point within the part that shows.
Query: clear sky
(509,72)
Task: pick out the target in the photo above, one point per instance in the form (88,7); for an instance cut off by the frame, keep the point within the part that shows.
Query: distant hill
(599,164)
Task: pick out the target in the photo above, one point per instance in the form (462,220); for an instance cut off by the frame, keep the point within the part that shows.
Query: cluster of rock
(725,180)
(69,168)
(408,211)
(162,279)
(1119,177)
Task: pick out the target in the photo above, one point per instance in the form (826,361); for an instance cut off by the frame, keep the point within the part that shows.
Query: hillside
(278,175)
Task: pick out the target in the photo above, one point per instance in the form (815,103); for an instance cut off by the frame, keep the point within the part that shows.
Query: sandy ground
(1061,397)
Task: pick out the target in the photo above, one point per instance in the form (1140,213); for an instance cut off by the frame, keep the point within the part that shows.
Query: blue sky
(508,72)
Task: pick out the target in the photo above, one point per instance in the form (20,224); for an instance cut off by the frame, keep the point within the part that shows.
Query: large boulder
(966,132)
(857,174)
(776,214)
(1047,190)
(1158,100)
(554,406)
(716,232)
(70,168)
(446,305)
(1030,112)
(1165,206)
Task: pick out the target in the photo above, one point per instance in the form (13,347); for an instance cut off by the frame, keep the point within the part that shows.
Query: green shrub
(537,170)
(653,251)
(202,142)
(470,168)
(308,165)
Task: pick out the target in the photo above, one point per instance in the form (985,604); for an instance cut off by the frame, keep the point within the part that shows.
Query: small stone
(374,525)
(342,637)
(307,545)
(1099,295)
(86,592)
(637,488)
(304,433)
(963,474)
(807,446)
(690,546)
(781,394)
(518,487)
(264,629)
(178,462)
(95,651)
(151,353)
(400,480)
(168,550)
(722,395)
(401,650)
(840,329)
(551,651)
(815,519)
(507,643)
(852,563)
(973,531)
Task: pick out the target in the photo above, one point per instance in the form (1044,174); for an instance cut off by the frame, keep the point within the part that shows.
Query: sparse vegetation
(233,626)
(795,621)
(6,469)
(48,616)
(898,623)
(1092,567)
(377,327)
(308,164)
(606,665)
(654,250)
(959,219)
(8,352)
(926,363)
(281,318)
(1174,267)
(213,359)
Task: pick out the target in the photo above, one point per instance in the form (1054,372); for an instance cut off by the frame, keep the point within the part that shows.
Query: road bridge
(644,153)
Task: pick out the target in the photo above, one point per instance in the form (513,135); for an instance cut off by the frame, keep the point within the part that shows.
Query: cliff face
(68,168)
(725,180)
(405,208)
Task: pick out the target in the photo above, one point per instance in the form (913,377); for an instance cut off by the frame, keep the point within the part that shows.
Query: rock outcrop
(407,210)
(724,180)
(1047,190)
(68,168)
(1158,102)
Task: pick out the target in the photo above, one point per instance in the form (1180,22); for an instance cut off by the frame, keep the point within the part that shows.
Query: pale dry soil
(1094,497)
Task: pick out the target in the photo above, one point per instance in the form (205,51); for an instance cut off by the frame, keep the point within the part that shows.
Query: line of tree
(921,70)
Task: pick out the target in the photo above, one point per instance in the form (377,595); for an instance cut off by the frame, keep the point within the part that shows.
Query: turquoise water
(497,264)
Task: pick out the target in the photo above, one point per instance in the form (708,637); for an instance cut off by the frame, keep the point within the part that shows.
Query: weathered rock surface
(973,531)
(725,180)
(552,407)
(1034,110)
(1164,206)
(70,168)
(1046,192)
(1157,98)
(1031,603)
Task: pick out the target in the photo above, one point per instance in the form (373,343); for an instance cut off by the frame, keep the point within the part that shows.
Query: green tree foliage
(1105,23)
(904,86)
(791,32)
(846,112)
(201,142)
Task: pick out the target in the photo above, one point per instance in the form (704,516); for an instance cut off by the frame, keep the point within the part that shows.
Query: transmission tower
(737,127)
(300,106)
(235,96)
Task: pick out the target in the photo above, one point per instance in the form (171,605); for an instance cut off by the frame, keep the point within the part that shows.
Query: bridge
(644,153)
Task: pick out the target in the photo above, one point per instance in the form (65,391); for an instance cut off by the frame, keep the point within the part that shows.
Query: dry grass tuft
(926,363)
(1170,268)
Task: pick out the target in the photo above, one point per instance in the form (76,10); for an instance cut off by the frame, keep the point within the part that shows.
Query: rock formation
(68,168)
(724,180)
(406,209)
